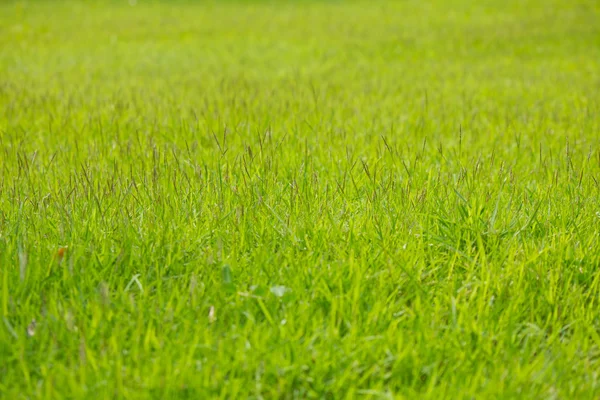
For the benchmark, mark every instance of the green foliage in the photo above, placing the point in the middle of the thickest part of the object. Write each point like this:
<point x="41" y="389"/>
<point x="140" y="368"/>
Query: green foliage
<point x="299" y="199"/>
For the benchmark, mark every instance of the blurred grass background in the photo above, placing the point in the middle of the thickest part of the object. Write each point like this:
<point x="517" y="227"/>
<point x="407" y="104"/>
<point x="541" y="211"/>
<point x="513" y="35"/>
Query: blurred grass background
<point x="378" y="199"/>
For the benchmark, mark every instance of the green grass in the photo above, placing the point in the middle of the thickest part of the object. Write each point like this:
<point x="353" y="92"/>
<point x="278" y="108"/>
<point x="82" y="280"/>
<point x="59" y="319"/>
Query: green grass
<point x="377" y="199"/>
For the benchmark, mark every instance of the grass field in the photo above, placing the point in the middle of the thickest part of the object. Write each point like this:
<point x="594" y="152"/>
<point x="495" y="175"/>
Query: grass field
<point x="300" y="199"/>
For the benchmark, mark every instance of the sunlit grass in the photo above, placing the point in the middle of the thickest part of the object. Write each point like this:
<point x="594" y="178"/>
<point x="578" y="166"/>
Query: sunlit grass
<point x="299" y="199"/>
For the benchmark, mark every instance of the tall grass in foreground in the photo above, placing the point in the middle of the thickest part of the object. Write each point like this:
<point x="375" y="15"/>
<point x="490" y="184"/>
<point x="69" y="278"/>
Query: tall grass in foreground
<point x="299" y="200"/>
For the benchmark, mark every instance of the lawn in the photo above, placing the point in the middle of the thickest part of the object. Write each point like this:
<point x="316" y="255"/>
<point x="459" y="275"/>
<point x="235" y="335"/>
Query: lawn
<point x="300" y="199"/>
